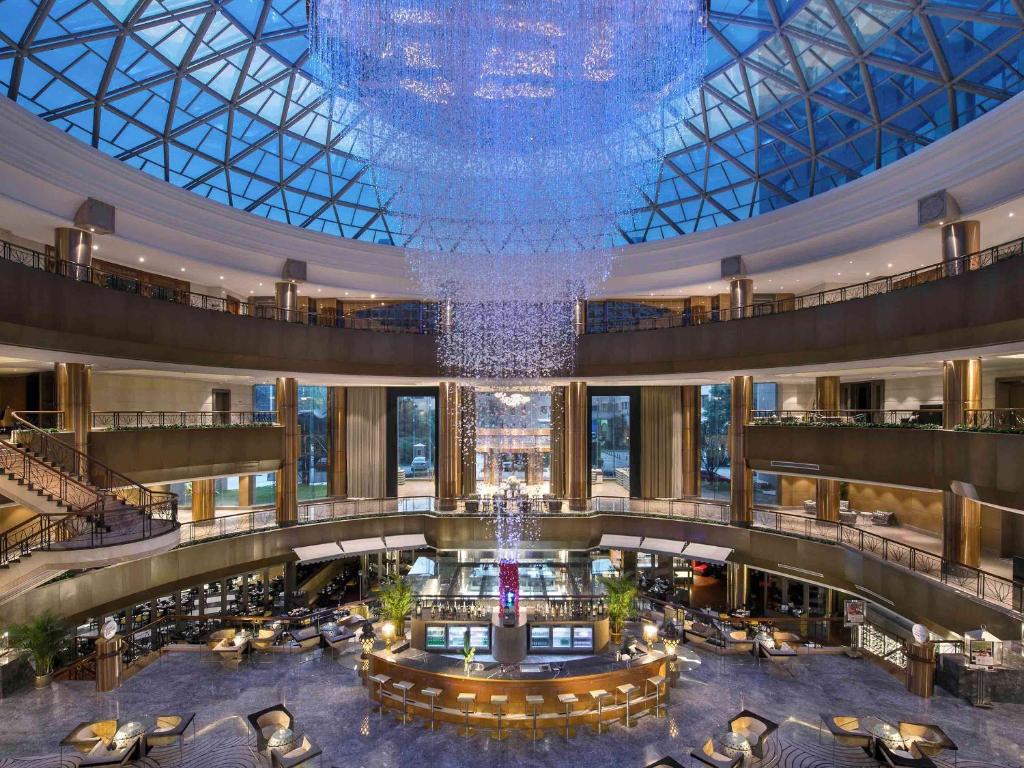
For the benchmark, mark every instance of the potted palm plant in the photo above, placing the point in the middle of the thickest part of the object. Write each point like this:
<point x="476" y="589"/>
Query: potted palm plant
<point x="43" y="638"/>
<point x="396" y="602"/>
<point x="621" y="592"/>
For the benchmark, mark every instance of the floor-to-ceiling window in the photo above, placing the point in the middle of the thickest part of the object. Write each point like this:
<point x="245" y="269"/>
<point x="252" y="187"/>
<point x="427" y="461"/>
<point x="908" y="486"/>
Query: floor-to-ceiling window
<point x="610" y="442"/>
<point x="313" y="442"/>
<point x="417" y="444"/>
<point x="513" y="438"/>
<point x="715" y="413"/>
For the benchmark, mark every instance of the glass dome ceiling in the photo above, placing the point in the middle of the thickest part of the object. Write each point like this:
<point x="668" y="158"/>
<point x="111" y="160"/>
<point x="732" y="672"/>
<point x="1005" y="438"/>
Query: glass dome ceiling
<point x="799" y="97"/>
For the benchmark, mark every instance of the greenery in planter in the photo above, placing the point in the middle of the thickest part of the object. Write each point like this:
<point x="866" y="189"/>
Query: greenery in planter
<point x="991" y="430"/>
<point x="621" y="591"/>
<point x="843" y="425"/>
<point x="43" y="637"/>
<point x="136" y="428"/>
<point x="396" y="602"/>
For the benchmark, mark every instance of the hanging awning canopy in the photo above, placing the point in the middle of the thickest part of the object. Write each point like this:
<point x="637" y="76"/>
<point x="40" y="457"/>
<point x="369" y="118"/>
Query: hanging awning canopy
<point x="614" y="541"/>
<point x="362" y="546"/>
<point x="405" y="541"/>
<point x="707" y="553"/>
<point x="318" y="552"/>
<point x="668" y="546"/>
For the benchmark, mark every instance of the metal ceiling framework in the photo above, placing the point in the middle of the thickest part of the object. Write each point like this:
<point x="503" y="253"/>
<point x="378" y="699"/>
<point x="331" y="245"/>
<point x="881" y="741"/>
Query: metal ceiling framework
<point x="800" y="96"/>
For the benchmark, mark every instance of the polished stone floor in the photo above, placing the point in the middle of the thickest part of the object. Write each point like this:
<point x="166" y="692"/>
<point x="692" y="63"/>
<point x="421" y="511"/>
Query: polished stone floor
<point x="325" y="696"/>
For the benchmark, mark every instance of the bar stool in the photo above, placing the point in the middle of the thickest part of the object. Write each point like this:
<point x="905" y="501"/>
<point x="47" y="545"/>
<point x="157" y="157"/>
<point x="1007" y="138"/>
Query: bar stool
<point x="657" y="681"/>
<point x="568" y="699"/>
<point x="498" y="701"/>
<point x="404" y="686"/>
<point x="599" y="696"/>
<point x="627" y="690"/>
<point x="432" y="694"/>
<point x="381" y="681"/>
<point x="466" y="702"/>
<point x="535" y="702"/>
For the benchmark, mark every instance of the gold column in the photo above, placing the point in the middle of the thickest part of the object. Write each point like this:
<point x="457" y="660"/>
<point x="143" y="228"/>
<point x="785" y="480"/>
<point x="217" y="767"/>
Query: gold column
<point x="961" y="516"/>
<point x="736" y="585"/>
<point x="921" y="669"/>
<point x="826" y="391"/>
<point x="960" y="239"/>
<point x="741" y="297"/>
<point x="73" y="247"/>
<point x="287" y="475"/>
<point x="741" y="482"/>
<point x="691" y="441"/>
<point x="467" y="437"/>
<point x="74" y="400"/>
<point x="246" y="490"/>
<point x="337" y="459"/>
<point x="577" y="435"/>
<point x="203" y="500"/>
<point x="108" y="663"/>
<point x="556" y="466"/>
<point x="449" y="455"/>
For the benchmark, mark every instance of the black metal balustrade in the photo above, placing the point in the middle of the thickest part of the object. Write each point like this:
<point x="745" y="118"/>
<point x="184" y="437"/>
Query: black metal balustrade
<point x="114" y="420"/>
<point x="986" y="586"/>
<point x="993" y="420"/>
<point x="920" y="419"/>
<point x="421" y="317"/>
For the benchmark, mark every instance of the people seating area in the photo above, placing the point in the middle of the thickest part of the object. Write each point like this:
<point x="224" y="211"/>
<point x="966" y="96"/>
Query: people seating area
<point x="904" y="744"/>
<point x="118" y="742"/>
<point x="755" y="729"/>
<point x="745" y="738"/>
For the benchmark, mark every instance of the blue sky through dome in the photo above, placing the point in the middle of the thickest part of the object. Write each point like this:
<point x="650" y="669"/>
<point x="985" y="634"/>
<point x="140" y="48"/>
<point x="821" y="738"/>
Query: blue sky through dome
<point x="800" y="96"/>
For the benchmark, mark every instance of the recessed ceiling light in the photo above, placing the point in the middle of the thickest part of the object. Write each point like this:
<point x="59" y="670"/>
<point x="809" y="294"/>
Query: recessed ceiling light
<point x="261" y="285"/>
<point x="346" y="293"/>
<point x="1011" y="214"/>
<point x="839" y="274"/>
<point x="868" y="274"/>
<point x="373" y="295"/>
<point x="889" y="265"/>
<point x="96" y="247"/>
<point x="851" y="261"/>
<point x="91" y="229"/>
<point x="221" y="277"/>
<point x="182" y="269"/>
<point x="942" y="222"/>
<point x="142" y="259"/>
<point x="318" y="290"/>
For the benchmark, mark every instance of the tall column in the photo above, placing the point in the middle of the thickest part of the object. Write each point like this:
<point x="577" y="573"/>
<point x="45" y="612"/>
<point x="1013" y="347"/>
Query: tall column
<point x="579" y="316"/>
<point x="287" y="495"/>
<point x="691" y="441"/>
<point x="741" y="481"/>
<point x="467" y="437"/>
<point x="577" y="435"/>
<point x="736" y="580"/>
<point x="959" y="239"/>
<point x="826" y="390"/>
<point x="556" y="465"/>
<point x="961" y="516"/>
<point x="203" y="500"/>
<point x="449" y="455"/>
<point x="741" y="297"/>
<point x="246" y="490"/>
<point x="74" y="247"/>
<point x="286" y="295"/>
<point x="109" y="672"/>
<point x="337" y="458"/>
<point x="74" y="401"/>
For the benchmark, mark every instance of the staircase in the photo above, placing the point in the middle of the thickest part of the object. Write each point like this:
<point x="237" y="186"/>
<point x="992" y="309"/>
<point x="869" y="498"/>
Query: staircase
<point x="88" y="515"/>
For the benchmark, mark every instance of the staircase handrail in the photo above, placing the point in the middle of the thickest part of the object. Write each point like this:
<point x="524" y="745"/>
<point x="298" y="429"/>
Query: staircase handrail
<point x="154" y="504"/>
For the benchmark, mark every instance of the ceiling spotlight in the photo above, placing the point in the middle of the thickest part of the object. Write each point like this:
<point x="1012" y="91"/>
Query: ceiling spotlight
<point x="851" y="261"/>
<point x="868" y="274"/>
<point x="96" y="247"/>
<point x="1011" y="214"/>
<point x="221" y="277"/>
<point x="373" y="295"/>
<point x="318" y="290"/>
<point x="142" y="259"/>
<point x="889" y="265"/>
<point x="261" y="285"/>
<point x="346" y="293"/>
<point x="182" y="269"/>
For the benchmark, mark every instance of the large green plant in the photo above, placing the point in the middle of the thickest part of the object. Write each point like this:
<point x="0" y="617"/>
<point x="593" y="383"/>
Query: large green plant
<point x="43" y="637"/>
<point x="396" y="602"/>
<point x="621" y="591"/>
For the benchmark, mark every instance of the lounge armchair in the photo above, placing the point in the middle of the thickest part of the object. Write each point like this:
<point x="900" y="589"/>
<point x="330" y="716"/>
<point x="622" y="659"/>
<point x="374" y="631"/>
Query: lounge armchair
<point x="266" y="638"/>
<point x="119" y="754"/>
<point x="305" y="751"/>
<point x="268" y="720"/>
<point x="928" y="739"/>
<point x="753" y="728"/>
<point x="168" y="729"/>
<point x="708" y="755"/>
<point x="895" y="757"/>
<point x="306" y="638"/>
<point x="87" y="735"/>
<point x="215" y="638"/>
<point x="846" y="730"/>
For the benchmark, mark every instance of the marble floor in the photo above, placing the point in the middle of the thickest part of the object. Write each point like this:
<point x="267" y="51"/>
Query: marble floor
<point x="329" y="704"/>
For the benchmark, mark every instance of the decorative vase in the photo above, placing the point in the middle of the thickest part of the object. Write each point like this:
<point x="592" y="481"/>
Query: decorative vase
<point x="43" y="680"/>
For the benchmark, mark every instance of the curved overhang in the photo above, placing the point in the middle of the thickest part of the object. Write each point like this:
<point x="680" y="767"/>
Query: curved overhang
<point x="48" y="174"/>
<point x="914" y="596"/>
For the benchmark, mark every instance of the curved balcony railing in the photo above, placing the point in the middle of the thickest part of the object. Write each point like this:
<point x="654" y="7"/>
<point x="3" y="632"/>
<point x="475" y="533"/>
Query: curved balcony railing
<point x="993" y="420"/>
<point x="874" y="287"/>
<point x="421" y="317"/>
<point x="984" y="585"/>
<point x="115" y="420"/>
<point x="919" y="419"/>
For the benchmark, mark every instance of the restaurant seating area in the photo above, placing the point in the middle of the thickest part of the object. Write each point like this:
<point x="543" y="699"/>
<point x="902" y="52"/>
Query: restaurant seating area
<point x="902" y="744"/>
<point x="115" y="742"/>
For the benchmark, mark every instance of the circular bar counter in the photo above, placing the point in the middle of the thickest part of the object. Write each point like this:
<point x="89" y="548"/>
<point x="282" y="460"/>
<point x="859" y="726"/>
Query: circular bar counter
<point x="564" y="689"/>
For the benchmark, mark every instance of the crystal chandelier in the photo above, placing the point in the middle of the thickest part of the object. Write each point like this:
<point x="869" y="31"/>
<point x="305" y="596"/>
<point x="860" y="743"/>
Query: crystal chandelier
<point x="506" y="138"/>
<point x="512" y="399"/>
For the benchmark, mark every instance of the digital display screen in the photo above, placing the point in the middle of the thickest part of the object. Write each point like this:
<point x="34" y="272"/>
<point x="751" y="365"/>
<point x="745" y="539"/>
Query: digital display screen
<point x="480" y="638"/>
<point x="540" y="637"/>
<point x="561" y="637"/>
<point x="456" y="637"/>
<point x="435" y="637"/>
<point x="583" y="637"/>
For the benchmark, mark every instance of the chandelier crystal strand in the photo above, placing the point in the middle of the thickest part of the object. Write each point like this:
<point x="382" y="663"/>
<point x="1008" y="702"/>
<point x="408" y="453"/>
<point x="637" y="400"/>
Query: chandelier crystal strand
<point x="514" y="133"/>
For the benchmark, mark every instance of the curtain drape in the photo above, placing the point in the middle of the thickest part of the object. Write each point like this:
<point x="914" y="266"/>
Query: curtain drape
<point x="661" y="442"/>
<point x="367" y="441"/>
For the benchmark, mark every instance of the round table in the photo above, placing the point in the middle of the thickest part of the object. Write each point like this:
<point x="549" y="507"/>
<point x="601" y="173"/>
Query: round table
<point x="733" y="744"/>
<point x="887" y="732"/>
